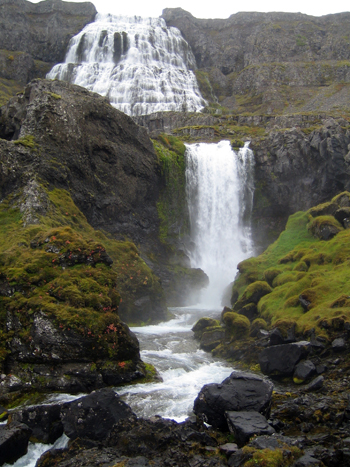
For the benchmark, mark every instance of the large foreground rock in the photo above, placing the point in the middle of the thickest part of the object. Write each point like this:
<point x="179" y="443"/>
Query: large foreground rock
<point x="241" y="391"/>
<point x="93" y="416"/>
<point x="280" y="360"/>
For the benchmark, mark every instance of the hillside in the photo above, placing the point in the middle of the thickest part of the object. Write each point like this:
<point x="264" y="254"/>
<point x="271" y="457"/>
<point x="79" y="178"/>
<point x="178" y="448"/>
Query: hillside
<point x="270" y="63"/>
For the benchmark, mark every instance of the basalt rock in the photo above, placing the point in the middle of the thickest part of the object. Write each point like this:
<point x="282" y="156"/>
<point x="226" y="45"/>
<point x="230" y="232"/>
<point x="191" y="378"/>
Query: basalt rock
<point x="93" y="416"/>
<point x="14" y="440"/>
<point x="282" y="359"/>
<point x="239" y="392"/>
<point x="244" y="425"/>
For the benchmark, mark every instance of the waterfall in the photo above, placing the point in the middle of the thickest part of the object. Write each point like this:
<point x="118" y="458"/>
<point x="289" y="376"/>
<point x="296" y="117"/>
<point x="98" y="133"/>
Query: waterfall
<point x="220" y="189"/>
<point x="140" y="64"/>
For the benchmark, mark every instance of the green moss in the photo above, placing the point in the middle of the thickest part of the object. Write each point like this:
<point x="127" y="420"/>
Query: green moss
<point x="300" y="264"/>
<point x="59" y="267"/>
<point x="27" y="141"/>
<point x="55" y="96"/>
<point x="238" y="326"/>
<point x="172" y="204"/>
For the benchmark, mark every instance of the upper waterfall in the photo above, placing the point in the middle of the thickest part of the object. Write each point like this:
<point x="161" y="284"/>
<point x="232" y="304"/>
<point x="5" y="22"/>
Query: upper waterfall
<point x="140" y="64"/>
<point x="220" y="189"/>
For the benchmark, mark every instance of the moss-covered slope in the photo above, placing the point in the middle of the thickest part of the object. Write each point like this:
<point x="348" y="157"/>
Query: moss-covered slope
<point x="62" y="285"/>
<point x="307" y="269"/>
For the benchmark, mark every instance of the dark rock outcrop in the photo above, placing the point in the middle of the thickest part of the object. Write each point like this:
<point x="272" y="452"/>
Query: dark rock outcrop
<point x="239" y="392"/>
<point x="93" y="416"/>
<point x="43" y="420"/>
<point x="52" y="23"/>
<point x="14" y="440"/>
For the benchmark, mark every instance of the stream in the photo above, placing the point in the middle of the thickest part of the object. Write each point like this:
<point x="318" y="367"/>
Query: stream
<point x="183" y="367"/>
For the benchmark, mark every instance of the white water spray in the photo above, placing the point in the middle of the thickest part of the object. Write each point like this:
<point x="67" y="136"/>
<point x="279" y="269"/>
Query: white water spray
<point x="220" y="195"/>
<point x="140" y="64"/>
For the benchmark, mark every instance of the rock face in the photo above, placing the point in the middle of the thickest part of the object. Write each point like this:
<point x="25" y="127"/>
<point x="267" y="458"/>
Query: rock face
<point x="258" y="55"/>
<point x="239" y="392"/>
<point x="87" y="147"/>
<point x="34" y="36"/>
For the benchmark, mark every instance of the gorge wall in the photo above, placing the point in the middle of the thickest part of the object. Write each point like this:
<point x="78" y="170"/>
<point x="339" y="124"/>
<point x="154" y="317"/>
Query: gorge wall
<point x="270" y="62"/>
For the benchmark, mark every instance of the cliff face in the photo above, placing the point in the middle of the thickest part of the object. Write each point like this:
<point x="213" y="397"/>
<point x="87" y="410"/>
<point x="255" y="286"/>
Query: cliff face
<point x="270" y="62"/>
<point x="85" y="146"/>
<point x="34" y="36"/>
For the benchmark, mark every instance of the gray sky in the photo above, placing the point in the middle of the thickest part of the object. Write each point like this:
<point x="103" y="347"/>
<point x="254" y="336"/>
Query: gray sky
<point x="221" y="9"/>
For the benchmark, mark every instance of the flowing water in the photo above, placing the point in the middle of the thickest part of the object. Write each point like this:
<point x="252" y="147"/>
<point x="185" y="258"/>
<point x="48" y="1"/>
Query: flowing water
<point x="140" y="64"/>
<point x="184" y="368"/>
<point x="220" y="188"/>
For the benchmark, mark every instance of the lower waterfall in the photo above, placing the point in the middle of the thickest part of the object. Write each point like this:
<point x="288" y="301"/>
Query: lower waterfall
<point x="220" y="191"/>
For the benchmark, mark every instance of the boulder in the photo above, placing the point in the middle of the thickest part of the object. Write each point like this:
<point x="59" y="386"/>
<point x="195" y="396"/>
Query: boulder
<point x="14" y="440"/>
<point x="212" y="338"/>
<point x="43" y="420"/>
<point x="303" y="371"/>
<point x="315" y="384"/>
<point x="94" y="415"/>
<point x="339" y="344"/>
<point x="280" y="360"/>
<point x="241" y="391"/>
<point x="276" y="337"/>
<point x="244" y="425"/>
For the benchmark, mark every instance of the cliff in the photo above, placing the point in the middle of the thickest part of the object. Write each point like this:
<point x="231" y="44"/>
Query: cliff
<point x="35" y="36"/>
<point x="270" y="62"/>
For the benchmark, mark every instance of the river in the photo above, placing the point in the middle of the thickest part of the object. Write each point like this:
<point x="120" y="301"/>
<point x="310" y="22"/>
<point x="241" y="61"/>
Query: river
<point x="183" y="367"/>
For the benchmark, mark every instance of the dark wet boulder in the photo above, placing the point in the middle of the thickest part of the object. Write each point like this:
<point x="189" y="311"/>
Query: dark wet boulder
<point x="241" y="391"/>
<point x="93" y="416"/>
<point x="43" y="420"/>
<point x="280" y="360"/>
<point x="303" y="371"/>
<point x="244" y="425"/>
<point x="14" y="438"/>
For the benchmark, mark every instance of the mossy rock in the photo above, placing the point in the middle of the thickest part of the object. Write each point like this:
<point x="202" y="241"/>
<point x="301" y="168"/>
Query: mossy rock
<point x="325" y="227"/>
<point x="252" y="294"/>
<point x="271" y="273"/>
<point x="201" y="325"/>
<point x="325" y="209"/>
<point x="211" y="338"/>
<point x="285" y="326"/>
<point x="301" y="266"/>
<point x="237" y="326"/>
<point x="250" y="311"/>
<point x="256" y="326"/>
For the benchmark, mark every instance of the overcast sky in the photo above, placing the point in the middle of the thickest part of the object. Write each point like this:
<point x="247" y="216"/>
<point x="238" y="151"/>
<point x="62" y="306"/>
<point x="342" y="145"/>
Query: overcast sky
<point x="221" y="9"/>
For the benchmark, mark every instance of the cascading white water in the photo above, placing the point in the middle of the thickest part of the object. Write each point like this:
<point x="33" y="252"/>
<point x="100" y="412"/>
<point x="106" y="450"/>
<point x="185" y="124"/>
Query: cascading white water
<point x="140" y="64"/>
<point x="220" y="194"/>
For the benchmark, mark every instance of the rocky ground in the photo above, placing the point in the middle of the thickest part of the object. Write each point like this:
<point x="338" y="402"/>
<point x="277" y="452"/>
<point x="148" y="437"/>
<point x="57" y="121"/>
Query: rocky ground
<point x="254" y="420"/>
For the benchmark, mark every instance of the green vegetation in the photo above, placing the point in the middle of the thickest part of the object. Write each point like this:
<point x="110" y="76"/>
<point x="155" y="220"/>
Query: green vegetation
<point x="61" y="268"/>
<point x="27" y="141"/>
<point x="282" y="457"/>
<point x="238" y="326"/>
<point x="55" y="96"/>
<point x="172" y="205"/>
<point x="297" y="265"/>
